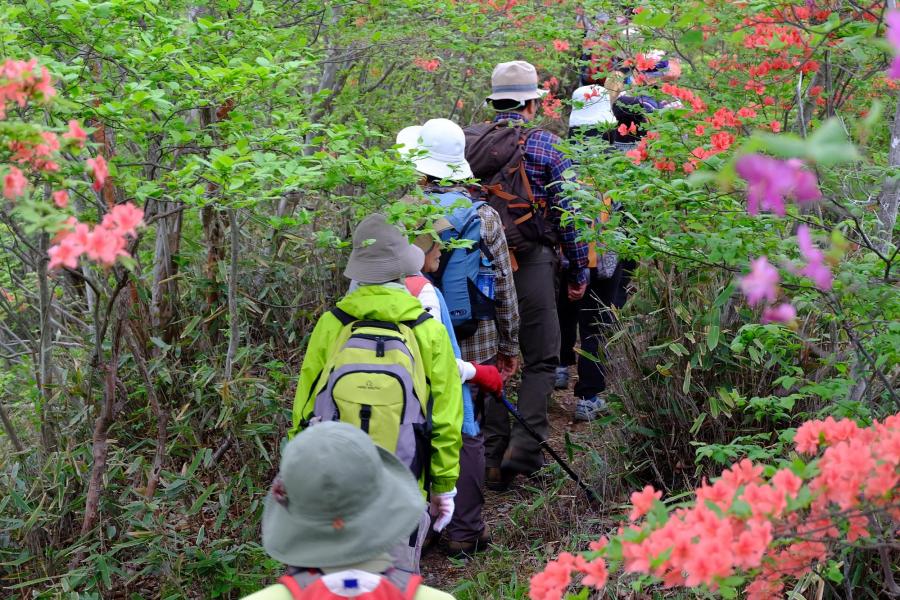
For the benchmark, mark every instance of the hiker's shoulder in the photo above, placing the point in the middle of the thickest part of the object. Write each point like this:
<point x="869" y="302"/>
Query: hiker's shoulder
<point x="279" y="592"/>
<point x="426" y="593"/>
<point x="543" y="136"/>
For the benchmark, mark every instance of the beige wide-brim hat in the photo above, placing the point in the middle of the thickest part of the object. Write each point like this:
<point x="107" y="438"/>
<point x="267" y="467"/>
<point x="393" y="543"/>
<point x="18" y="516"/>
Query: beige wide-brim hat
<point x="437" y="148"/>
<point x="338" y="500"/>
<point x="381" y="253"/>
<point x="516" y="80"/>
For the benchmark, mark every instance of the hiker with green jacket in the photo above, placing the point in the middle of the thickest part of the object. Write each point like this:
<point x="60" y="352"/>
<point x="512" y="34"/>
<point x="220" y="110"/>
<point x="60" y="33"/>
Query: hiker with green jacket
<point x="380" y="362"/>
<point x="337" y="507"/>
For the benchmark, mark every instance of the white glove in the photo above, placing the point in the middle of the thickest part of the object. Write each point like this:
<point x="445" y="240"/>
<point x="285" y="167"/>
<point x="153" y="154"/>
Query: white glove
<point x="442" y="507"/>
<point x="466" y="370"/>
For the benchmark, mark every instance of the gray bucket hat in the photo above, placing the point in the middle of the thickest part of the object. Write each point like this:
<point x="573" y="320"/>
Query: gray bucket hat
<point x="338" y="500"/>
<point x="516" y="80"/>
<point x="381" y="253"/>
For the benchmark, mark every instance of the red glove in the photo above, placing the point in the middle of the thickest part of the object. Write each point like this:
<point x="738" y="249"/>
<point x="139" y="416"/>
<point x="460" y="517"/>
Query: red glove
<point x="487" y="377"/>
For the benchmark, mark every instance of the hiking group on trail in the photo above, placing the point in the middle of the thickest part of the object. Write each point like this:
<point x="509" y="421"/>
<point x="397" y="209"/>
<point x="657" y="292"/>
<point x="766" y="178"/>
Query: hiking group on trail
<point x="400" y="418"/>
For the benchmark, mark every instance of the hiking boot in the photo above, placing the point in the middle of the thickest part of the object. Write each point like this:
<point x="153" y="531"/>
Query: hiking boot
<point x="520" y="463"/>
<point x="463" y="549"/>
<point x="589" y="409"/>
<point x="562" y="378"/>
<point x="498" y="480"/>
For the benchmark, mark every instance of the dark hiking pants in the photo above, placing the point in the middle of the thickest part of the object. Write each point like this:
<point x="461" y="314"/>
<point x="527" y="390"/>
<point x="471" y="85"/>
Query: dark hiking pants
<point x="535" y="281"/>
<point x="590" y="318"/>
<point x="468" y="523"/>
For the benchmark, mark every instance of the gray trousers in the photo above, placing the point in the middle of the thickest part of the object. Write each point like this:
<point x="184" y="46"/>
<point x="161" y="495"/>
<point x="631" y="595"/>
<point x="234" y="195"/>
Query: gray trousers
<point x="539" y="340"/>
<point x="407" y="554"/>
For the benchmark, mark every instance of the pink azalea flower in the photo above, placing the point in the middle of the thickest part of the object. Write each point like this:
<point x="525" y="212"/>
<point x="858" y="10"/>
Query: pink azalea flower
<point x="808" y="437"/>
<point x="81" y="235"/>
<point x="124" y="219"/>
<point x="61" y="198"/>
<point x="787" y="483"/>
<point x="815" y="267"/>
<point x="14" y="184"/>
<point x="708" y="562"/>
<point x="65" y="254"/>
<point x="643" y="501"/>
<point x="560" y="45"/>
<point x="761" y="283"/>
<point x="893" y="28"/>
<point x="105" y="246"/>
<point x="596" y="573"/>
<point x="770" y="181"/>
<point x="783" y="313"/>
<point x="893" y="37"/>
<point x="51" y="144"/>
<point x="100" y="170"/>
<point x="75" y="133"/>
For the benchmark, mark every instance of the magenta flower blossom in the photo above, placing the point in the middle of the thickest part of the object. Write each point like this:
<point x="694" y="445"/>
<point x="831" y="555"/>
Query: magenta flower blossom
<point x="815" y="267"/>
<point x="893" y="37"/>
<point x="761" y="283"/>
<point x="770" y="181"/>
<point x="783" y="313"/>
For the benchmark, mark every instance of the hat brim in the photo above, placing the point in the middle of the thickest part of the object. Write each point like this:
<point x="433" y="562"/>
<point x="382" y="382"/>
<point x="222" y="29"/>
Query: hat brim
<point x="408" y="139"/>
<point x="442" y="170"/>
<point x="389" y="517"/>
<point x="520" y="96"/>
<point x="408" y="263"/>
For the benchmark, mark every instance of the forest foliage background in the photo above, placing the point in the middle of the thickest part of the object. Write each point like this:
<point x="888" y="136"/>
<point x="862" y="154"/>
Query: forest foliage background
<point x="144" y="403"/>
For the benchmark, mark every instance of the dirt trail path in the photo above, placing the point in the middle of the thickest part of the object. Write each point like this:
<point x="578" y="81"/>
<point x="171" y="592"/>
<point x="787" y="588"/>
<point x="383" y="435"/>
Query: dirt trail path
<point x="440" y="571"/>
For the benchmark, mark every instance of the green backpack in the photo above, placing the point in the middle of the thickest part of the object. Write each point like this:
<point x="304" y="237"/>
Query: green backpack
<point x="374" y="379"/>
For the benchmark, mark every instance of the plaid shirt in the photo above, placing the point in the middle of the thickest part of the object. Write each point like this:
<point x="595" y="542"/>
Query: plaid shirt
<point x="500" y="336"/>
<point x="545" y="166"/>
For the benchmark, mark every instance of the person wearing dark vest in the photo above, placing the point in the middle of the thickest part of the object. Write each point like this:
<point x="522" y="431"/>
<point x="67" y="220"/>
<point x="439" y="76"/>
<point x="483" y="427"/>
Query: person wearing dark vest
<point x="335" y="510"/>
<point x="515" y="98"/>
<point x="590" y="317"/>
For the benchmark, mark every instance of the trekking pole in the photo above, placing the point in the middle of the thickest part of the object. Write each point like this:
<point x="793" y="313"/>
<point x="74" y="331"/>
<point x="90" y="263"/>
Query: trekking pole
<point x="592" y="495"/>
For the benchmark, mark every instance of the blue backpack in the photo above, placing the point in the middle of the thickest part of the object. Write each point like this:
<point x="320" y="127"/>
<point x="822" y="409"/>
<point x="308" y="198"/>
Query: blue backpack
<point x="458" y="272"/>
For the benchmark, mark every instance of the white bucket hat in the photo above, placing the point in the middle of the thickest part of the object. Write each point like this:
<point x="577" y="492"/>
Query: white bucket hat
<point x="438" y="148"/>
<point x="591" y="106"/>
<point x="516" y="80"/>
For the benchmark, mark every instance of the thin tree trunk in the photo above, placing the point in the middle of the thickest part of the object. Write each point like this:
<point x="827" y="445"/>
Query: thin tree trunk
<point x="45" y="367"/>
<point x="234" y="335"/>
<point x="159" y="410"/>
<point x="100" y="441"/>
<point x="890" y="193"/>
<point x="10" y="430"/>
<point x="164" y="294"/>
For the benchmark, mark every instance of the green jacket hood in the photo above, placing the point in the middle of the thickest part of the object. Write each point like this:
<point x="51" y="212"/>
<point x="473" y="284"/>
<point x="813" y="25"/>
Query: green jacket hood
<point x="381" y="303"/>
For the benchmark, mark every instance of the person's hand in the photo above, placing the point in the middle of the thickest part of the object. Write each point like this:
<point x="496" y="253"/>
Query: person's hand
<point x="507" y="365"/>
<point x="442" y="507"/>
<point x="576" y="291"/>
<point x="488" y="378"/>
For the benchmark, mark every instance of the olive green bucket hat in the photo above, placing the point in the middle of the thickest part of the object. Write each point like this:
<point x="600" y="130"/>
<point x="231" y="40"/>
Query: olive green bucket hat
<point x="338" y="500"/>
<point x="381" y="253"/>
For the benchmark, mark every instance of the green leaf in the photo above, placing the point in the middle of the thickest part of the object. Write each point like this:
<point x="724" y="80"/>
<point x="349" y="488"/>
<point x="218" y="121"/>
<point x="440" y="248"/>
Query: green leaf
<point x="201" y="499"/>
<point x="829" y="145"/>
<point x="693" y="37"/>
<point x="712" y="337"/>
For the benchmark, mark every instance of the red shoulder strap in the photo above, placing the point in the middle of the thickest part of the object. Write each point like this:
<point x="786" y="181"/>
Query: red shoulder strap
<point x="291" y="584"/>
<point x="415" y="284"/>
